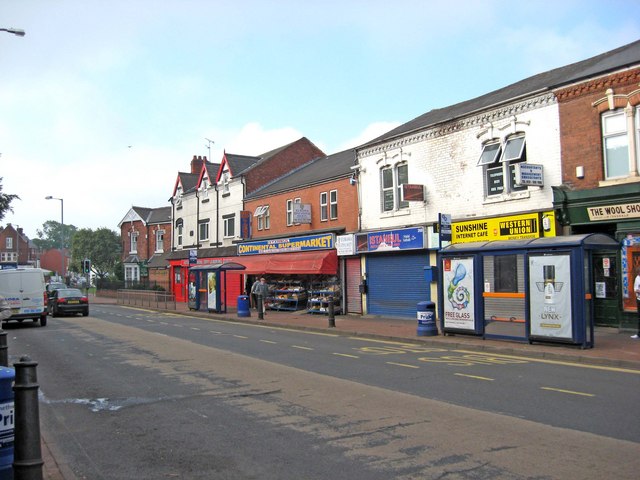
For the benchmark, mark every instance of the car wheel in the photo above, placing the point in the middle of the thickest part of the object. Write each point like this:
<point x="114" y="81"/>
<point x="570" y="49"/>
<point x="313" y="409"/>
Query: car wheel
<point x="43" y="321"/>
<point x="85" y="313"/>
<point x="54" y="311"/>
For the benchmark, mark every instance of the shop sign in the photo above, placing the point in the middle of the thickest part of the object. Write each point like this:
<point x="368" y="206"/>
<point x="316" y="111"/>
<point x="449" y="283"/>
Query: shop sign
<point x="245" y="224"/>
<point x="388" y="240"/>
<point x="193" y="256"/>
<point x="612" y="212"/>
<point x="517" y="227"/>
<point x="529" y="174"/>
<point x="345" y="245"/>
<point x="412" y="192"/>
<point x="302" y="213"/>
<point x="291" y="244"/>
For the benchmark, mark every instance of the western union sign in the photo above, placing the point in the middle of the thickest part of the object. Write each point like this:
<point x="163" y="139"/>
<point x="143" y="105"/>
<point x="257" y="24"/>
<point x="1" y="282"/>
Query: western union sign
<point x="517" y="227"/>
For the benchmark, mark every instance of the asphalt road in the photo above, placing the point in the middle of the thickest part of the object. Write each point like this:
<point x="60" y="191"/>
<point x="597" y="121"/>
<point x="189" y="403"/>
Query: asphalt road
<point x="129" y="393"/>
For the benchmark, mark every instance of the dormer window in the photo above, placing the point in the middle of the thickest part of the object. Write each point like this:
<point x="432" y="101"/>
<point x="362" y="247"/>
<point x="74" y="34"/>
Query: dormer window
<point x="225" y="182"/>
<point x="204" y="188"/>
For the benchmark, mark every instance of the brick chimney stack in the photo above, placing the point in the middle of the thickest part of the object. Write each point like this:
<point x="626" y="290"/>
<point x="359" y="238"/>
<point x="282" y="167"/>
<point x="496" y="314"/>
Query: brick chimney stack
<point x="196" y="163"/>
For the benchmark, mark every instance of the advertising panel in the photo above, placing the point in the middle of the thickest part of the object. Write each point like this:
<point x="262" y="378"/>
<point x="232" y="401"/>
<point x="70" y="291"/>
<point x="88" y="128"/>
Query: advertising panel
<point x="515" y="227"/>
<point x="212" y="293"/>
<point x="458" y="284"/>
<point x="550" y="296"/>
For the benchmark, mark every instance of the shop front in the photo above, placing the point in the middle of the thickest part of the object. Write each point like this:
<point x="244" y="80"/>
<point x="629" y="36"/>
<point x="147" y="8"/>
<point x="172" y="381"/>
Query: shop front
<point x="209" y="287"/>
<point x="393" y="280"/>
<point x="613" y="210"/>
<point x="543" y="289"/>
<point x="302" y="272"/>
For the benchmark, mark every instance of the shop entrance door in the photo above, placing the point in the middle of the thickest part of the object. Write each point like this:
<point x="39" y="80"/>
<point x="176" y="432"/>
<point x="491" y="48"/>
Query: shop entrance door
<point x="605" y="289"/>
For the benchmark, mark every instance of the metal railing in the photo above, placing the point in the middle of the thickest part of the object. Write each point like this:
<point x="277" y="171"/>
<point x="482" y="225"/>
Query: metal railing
<point x="146" y="298"/>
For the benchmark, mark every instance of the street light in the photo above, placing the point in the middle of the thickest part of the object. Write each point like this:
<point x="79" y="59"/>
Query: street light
<point x="16" y="31"/>
<point x="49" y="197"/>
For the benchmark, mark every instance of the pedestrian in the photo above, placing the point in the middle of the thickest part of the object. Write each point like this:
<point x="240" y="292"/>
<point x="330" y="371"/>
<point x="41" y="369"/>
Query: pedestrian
<point x="5" y="309"/>
<point x="261" y="292"/>
<point x="254" y="299"/>
<point x="636" y="289"/>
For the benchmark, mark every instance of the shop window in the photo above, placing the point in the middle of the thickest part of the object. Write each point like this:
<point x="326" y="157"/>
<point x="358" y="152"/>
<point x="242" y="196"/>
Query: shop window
<point x="229" y="222"/>
<point x="498" y="161"/>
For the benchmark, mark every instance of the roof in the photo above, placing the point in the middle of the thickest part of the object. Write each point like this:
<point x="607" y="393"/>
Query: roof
<point x="589" y="241"/>
<point x="154" y="215"/>
<point x="189" y="181"/>
<point x="317" y="171"/>
<point x="607" y="62"/>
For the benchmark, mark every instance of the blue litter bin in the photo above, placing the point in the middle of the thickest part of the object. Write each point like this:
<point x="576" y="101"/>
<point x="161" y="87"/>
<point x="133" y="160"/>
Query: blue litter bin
<point x="244" y="306"/>
<point x="426" y="315"/>
<point x="7" y="422"/>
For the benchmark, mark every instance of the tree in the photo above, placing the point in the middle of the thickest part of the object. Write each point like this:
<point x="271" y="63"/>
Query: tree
<point x="5" y="201"/>
<point x="101" y="246"/>
<point x="49" y="236"/>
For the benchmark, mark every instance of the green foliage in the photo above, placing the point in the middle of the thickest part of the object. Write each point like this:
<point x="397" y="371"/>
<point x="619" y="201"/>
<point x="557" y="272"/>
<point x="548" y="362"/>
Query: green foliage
<point x="49" y="236"/>
<point x="101" y="246"/>
<point x="5" y="201"/>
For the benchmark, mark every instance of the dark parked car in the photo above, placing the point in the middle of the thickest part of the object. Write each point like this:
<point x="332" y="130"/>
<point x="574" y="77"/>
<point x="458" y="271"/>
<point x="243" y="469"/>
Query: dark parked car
<point x="65" y="301"/>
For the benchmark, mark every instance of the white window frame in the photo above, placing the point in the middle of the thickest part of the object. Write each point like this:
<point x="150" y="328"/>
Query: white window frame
<point x="204" y="188"/>
<point x="324" y="206"/>
<point x="160" y="241"/>
<point x="8" y="243"/>
<point x="289" y="212"/>
<point x="498" y="160"/>
<point x="333" y="204"/>
<point x="229" y="225"/>
<point x="262" y="217"/>
<point x="180" y="232"/>
<point x="225" y="182"/>
<point x="400" y="203"/>
<point x="391" y="187"/>
<point x="133" y="242"/>
<point x="203" y="231"/>
<point x="621" y="135"/>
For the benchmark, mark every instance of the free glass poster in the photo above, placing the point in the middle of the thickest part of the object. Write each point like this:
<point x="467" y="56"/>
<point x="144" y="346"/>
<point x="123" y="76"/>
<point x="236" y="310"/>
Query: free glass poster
<point x="458" y="293"/>
<point x="212" y="291"/>
<point x="550" y="295"/>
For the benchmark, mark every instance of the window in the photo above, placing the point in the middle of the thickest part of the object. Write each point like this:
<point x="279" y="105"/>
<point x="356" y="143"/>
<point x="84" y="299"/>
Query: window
<point x="159" y="241"/>
<point x="324" y="207"/>
<point x="134" y="243"/>
<point x="204" y="189"/>
<point x="392" y="179"/>
<point x="333" y="200"/>
<point x="179" y="231"/>
<point x="229" y="225"/>
<point x="9" y="243"/>
<point x="225" y="182"/>
<point x="262" y="217"/>
<point x="289" y="212"/>
<point x="203" y="231"/>
<point x="616" y="145"/>
<point x="178" y="197"/>
<point x="506" y="273"/>
<point x="498" y="161"/>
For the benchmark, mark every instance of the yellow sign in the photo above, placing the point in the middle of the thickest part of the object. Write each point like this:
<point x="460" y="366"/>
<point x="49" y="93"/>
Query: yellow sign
<point x="517" y="227"/>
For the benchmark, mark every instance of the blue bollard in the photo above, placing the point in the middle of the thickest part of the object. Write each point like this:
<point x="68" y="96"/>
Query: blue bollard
<point x="7" y="422"/>
<point x="427" y="319"/>
<point x="243" y="306"/>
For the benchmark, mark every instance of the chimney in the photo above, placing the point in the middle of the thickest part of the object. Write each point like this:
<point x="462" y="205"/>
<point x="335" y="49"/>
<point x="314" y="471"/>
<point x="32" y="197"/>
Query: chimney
<point x="196" y="164"/>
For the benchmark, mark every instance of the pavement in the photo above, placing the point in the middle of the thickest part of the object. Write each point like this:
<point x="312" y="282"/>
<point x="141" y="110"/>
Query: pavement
<point x="613" y="348"/>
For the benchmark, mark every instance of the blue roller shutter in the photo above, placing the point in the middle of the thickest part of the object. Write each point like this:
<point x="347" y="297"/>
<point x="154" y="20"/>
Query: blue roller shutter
<point x="396" y="283"/>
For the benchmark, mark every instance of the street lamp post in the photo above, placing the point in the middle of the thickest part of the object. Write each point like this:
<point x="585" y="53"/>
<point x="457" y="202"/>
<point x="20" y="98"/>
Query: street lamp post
<point x="49" y="197"/>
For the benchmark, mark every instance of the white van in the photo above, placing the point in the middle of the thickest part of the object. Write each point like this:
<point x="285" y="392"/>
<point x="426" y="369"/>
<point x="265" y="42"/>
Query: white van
<point x="24" y="290"/>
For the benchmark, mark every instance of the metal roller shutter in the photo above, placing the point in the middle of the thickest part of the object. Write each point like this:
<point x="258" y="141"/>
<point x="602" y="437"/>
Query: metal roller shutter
<point x="397" y="284"/>
<point x="353" y="277"/>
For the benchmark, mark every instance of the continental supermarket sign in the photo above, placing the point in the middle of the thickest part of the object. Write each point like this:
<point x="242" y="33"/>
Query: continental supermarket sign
<point x="293" y="244"/>
<point x="517" y="227"/>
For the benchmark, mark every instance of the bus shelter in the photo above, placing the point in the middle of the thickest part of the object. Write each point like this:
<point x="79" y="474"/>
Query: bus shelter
<point x="208" y="286"/>
<point x="532" y="290"/>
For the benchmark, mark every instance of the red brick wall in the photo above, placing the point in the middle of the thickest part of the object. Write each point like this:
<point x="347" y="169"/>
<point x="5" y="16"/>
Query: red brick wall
<point x="580" y="125"/>
<point x="296" y="154"/>
<point x="347" y="210"/>
<point x="146" y="238"/>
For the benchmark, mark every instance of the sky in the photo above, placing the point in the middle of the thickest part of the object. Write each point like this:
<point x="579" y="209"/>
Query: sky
<point x="102" y="103"/>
